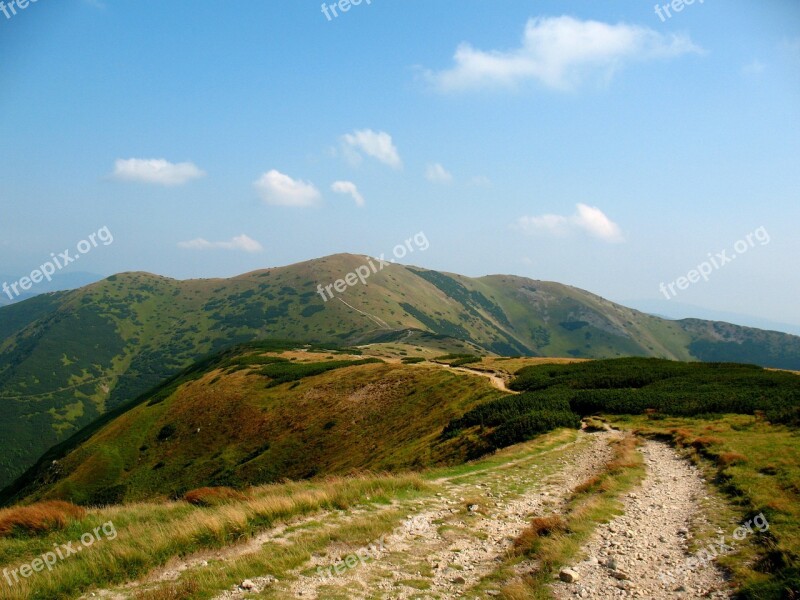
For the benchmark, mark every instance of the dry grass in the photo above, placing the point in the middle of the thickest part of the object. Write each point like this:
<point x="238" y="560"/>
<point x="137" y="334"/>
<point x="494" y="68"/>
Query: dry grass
<point x="540" y="527"/>
<point x="705" y="441"/>
<point x="151" y="534"/>
<point x="213" y="496"/>
<point x="726" y="459"/>
<point x="38" y="518"/>
<point x="590" y="484"/>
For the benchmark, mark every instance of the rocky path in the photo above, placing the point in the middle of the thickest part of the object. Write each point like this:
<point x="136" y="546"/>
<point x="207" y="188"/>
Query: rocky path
<point x="461" y="537"/>
<point x="452" y="540"/>
<point x="643" y="553"/>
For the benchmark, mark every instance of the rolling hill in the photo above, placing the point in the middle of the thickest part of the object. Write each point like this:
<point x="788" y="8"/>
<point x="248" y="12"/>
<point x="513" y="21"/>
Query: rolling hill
<point x="260" y="413"/>
<point x="67" y="358"/>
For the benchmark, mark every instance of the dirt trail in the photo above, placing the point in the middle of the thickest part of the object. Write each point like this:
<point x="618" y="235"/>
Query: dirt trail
<point x="454" y="542"/>
<point x="643" y="552"/>
<point x="497" y="381"/>
<point x="454" y="539"/>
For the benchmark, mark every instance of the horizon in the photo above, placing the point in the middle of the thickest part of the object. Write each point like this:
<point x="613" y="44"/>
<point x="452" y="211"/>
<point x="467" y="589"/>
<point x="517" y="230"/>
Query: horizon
<point x="646" y="306"/>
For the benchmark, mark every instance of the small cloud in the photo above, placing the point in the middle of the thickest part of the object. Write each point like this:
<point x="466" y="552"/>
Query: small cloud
<point x="436" y="173"/>
<point x="239" y="242"/>
<point x="377" y="144"/>
<point x="156" y="170"/>
<point x="589" y="219"/>
<point x="753" y="68"/>
<point x="594" y="221"/>
<point x="278" y="189"/>
<point x="559" y="53"/>
<point x="348" y="187"/>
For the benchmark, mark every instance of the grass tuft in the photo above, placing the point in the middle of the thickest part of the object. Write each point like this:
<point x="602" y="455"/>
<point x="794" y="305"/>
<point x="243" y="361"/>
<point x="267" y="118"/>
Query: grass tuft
<point x="39" y="518"/>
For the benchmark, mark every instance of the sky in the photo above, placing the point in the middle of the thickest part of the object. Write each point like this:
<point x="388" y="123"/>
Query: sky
<point x="597" y="144"/>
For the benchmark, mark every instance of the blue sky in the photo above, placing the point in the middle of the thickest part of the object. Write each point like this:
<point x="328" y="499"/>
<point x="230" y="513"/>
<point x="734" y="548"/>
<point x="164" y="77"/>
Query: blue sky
<point x="590" y="143"/>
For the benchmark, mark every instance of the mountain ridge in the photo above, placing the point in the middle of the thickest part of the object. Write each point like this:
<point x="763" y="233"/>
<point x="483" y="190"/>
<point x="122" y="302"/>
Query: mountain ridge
<point x="66" y="358"/>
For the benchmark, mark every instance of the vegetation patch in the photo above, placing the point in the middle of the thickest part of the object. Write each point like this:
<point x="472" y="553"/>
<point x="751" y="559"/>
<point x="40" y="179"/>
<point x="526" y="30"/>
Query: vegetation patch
<point x="286" y="372"/>
<point x="35" y="519"/>
<point x="662" y="387"/>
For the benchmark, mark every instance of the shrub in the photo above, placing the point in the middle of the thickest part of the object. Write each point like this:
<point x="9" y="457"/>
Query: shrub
<point x="166" y="432"/>
<point x="42" y="517"/>
<point x="410" y="360"/>
<point x="667" y="388"/>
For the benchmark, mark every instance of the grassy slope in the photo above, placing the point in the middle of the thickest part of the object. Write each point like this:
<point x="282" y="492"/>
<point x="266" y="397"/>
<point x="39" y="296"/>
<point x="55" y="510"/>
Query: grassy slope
<point x="227" y="427"/>
<point x="150" y="534"/>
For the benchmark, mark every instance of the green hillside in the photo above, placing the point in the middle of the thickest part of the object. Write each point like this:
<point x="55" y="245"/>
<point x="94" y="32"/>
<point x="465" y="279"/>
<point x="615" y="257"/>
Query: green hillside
<point x="259" y="414"/>
<point x="67" y="358"/>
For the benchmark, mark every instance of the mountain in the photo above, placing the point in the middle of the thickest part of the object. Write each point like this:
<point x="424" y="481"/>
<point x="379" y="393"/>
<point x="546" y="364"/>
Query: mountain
<point x="59" y="282"/>
<point x="674" y="310"/>
<point x="67" y="358"/>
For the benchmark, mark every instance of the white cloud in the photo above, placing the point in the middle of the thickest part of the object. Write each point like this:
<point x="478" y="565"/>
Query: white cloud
<point x="348" y="187"/>
<point x="377" y="144"/>
<point x="239" y="242"/>
<point x="754" y="68"/>
<point x="156" y="170"/>
<point x="559" y="52"/>
<point x="589" y="219"/>
<point x="436" y="173"/>
<point x="281" y="190"/>
<point x="593" y="220"/>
